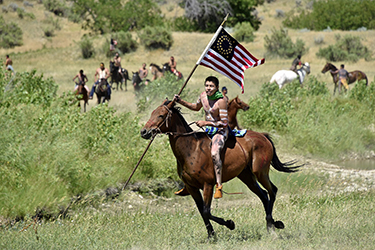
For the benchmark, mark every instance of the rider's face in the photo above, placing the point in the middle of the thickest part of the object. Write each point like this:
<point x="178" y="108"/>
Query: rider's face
<point x="210" y="88"/>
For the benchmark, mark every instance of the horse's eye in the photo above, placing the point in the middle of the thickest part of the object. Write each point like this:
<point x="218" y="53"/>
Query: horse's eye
<point x="161" y="116"/>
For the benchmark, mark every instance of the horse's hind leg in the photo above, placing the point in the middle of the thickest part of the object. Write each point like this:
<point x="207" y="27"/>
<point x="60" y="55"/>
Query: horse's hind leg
<point x="249" y="179"/>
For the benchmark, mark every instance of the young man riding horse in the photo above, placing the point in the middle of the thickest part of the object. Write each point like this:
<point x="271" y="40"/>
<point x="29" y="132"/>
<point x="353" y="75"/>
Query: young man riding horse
<point x="82" y="79"/>
<point x="101" y="74"/>
<point x="117" y="61"/>
<point x="216" y="123"/>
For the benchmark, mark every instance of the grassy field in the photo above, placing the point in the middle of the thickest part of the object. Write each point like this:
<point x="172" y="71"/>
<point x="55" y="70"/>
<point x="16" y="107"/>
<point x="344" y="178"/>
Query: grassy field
<point x="319" y="210"/>
<point x="323" y="206"/>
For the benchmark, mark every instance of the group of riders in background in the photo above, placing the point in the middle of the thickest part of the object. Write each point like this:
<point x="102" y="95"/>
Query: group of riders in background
<point x="102" y="75"/>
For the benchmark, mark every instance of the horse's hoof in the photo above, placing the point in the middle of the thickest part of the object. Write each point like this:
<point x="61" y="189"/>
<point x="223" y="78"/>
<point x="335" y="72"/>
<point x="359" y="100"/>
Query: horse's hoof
<point x="230" y="224"/>
<point x="279" y="224"/>
<point x="211" y="234"/>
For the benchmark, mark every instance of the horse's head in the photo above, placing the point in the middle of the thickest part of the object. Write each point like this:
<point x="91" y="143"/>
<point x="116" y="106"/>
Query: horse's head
<point x="328" y="66"/>
<point x="166" y="67"/>
<point x="306" y="66"/>
<point x="160" y="120"/>
<point x="237" y="103"/>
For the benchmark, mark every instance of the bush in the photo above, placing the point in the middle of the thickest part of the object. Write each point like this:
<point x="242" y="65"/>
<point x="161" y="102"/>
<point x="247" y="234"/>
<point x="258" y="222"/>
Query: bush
<point x="27" y="88"/>
<point x="10" y="34"/>
<point x="156" y="37"/>
<point x="156" y="91"/>
<point x="56" y="6"/>
<point x="125" y="43"/>
<point x="244" y="32"/>
<point x="348" y="48"/>
<point x="87" y="47"/>
<point x="280" y="44"/>
<point x="184" y="24"/>
<point x="337" y="14"/>
<point x="49" y="31"/>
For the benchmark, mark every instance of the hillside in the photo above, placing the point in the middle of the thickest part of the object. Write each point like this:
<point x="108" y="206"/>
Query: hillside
<point x="60" y="57"/>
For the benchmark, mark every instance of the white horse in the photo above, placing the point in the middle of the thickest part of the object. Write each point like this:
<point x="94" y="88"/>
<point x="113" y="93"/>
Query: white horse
<point x="283" y="77"/>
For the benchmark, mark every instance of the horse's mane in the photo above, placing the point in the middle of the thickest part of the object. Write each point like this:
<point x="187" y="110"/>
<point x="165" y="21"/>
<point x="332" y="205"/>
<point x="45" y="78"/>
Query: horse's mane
<point x="177" y="111"/>
<point x="332" y="66"/>
<point x="156" y="66"/>
<point x="231" y="101"/>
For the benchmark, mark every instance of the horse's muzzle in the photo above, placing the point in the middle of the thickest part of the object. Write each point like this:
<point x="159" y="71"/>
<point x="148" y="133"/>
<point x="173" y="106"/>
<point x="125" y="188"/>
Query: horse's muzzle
<point x="146" y="134"/>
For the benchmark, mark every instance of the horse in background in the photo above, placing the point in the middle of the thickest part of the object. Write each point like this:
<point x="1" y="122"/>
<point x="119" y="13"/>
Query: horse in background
<point x="283" y="77"/>
<point x="156" y="71"/>
<point x="101" y="91"/>
<point x="354" y="76"/>
<point x="247" y="158"/>
<point x="167" y="68"/>
<point x="136" y="80"/>
<point x="82" y="95"/>
<point x="116" y="76"/>
<point x="233" y="106"/>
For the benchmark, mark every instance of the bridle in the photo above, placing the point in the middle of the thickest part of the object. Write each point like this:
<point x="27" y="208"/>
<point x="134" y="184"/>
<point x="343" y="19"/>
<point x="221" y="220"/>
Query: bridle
<point x="166" y="120"/>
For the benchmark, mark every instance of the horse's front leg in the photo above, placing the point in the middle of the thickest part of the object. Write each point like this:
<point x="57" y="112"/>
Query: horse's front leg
<point x="207" y="197"/>
<point x="202" y="208"/>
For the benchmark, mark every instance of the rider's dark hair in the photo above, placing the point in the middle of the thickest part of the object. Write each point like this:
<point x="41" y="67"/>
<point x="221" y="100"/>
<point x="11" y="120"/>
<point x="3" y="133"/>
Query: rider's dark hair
<point x="212" y="79"/>
<point x="342" y="66"/>
<point x="81" y="71"/>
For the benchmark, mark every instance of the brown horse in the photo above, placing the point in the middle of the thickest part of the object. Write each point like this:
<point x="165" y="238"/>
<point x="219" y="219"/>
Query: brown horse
<point x="156" y="71"/>
<point x="247" y="158"/>
<point x="82" y="95"/>
<point x="354" y="76"/>
<point x="233" y="106"/>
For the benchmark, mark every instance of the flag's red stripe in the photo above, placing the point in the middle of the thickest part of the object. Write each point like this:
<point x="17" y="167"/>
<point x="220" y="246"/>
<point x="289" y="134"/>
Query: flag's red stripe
<point x="236" y="78"/>
<point x="217" y="60"/>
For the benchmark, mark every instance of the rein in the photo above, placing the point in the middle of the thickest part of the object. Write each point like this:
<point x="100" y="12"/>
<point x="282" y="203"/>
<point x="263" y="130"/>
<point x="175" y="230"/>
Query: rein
<point x="166" y="124"/>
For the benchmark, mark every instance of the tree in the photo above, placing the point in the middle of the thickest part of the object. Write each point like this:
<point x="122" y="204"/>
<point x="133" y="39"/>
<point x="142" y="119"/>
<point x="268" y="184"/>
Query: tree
<point x="207" y="14"/>
<point x="105" y="16"/>
<point x="244" y="11"/>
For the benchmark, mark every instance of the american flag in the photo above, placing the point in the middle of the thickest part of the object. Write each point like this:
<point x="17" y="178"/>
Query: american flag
<point x="228" y="57"/>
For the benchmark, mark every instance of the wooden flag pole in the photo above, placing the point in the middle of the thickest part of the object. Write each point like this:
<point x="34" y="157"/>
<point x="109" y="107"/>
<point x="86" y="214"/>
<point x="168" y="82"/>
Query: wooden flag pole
<point x="179" y="93"/>
<point x="204" y="52"/>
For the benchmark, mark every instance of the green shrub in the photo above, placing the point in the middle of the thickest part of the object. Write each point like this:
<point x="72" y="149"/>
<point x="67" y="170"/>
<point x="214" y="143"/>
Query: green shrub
<point x="244" y="32"/>
<point x="156" y="37"/>
<point x="280" y="44"/>
<point x="363" y="93"/>
<point x="337" y="14"/>
<point x="156" y="91"/>
<point x="49" y="31"/>
<point x="309" y="120"/>
<point x="87" y="47"/>
<point x="10" y="34"/>
<point x="125" y="44"/>
<point x="184" y="24"/>
<point x="347" y="48"/>
<point x="59" y="8"/>
<point x="27" y="88"/>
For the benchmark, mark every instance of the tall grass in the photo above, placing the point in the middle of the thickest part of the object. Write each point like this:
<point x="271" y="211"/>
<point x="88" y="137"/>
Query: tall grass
<point x="311" y="122"/>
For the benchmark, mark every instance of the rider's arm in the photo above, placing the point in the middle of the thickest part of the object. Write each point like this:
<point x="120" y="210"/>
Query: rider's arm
<point x="96" y="74"/>
<point x="223" y="113"/>
<point x="75" y="77"/>
<point x="107" y="74"/>
<point x="193" y="106"/>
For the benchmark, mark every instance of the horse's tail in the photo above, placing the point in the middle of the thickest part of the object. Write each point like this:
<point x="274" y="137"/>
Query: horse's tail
<point x="277" y="164"/>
